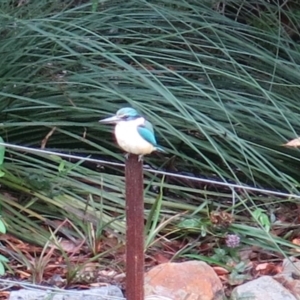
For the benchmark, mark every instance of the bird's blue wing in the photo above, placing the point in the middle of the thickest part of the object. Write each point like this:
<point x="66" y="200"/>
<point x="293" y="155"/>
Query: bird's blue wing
<point x="147" y="133"/>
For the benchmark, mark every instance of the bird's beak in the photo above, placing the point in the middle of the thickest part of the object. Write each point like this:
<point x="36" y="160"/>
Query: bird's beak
<point x="110" y="120"/>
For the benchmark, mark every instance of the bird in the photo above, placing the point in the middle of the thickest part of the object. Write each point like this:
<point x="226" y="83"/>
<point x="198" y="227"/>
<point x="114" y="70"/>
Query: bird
<point x="134" y="134"/>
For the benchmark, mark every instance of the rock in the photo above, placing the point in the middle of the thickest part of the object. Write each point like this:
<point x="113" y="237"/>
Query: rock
<point x="101" y="293"/>
<point x="192" y="280"/>
<point x="262" y="288"/>
<point x="290" y="275"/>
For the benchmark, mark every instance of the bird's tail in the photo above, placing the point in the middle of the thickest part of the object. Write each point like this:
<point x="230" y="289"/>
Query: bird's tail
<point x="160" y="149"/>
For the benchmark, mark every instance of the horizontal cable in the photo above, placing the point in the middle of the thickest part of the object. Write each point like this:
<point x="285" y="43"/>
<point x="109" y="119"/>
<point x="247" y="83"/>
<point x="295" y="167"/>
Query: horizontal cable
<point x="151" y="170"/>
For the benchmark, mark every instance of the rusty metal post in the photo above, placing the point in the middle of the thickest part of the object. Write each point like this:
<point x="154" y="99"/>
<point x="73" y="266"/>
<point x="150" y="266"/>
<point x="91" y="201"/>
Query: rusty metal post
<point x="134" y="228"/>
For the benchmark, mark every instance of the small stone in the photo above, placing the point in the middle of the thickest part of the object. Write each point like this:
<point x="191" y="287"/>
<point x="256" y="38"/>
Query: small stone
<point x="262" y="288"/>
<point x="192" y="280"/>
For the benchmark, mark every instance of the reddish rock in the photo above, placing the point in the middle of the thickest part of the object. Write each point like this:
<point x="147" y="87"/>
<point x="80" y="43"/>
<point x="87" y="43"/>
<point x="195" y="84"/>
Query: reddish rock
<point x="192" y="280"/>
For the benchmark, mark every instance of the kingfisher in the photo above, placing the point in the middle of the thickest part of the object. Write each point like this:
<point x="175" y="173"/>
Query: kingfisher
<point x="133" y="133"/>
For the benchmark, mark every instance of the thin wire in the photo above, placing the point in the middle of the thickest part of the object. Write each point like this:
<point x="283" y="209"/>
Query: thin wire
<point x="151" y="170"/>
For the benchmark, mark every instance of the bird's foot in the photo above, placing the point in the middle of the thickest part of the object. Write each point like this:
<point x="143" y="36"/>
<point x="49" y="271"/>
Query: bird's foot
<point x="141" y="157"/>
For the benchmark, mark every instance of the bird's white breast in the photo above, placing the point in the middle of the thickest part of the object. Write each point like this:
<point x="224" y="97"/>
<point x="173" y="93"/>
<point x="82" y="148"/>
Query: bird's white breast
<point x="130" y="140"/>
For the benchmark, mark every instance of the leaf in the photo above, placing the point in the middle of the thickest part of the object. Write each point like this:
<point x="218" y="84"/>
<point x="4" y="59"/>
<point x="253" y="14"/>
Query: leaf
<point x="263" y="218"/>
<point x="220" y="270"/>
<point x="2" y="151"/>
<point x="296" y="241"/>
<point x="2" y="227"/>
<point x="2" y="269"/>
<point x="189" y="223"/>
<point x="61" y="166"/>
<point x="293" y="143"/>
<point x="94" y="5"/>
<point x="268" y="269"/>
<point x="67" y="246"/>
<point x="3" y="259"/>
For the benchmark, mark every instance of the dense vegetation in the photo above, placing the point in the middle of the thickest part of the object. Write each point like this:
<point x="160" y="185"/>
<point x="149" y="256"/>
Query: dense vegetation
<point x="220" y="84"/>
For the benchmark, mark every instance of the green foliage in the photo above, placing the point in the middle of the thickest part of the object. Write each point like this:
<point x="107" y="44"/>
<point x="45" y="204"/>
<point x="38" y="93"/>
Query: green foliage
<point x="3" y="261"/>
<point x="237" y="275"/>
<point x="2" y="155"/>
<point x="220" y="255"/>
<point x="2" y="227"/>
<point x="152" y="228"/>
<point x="262" y="218"/>
<point x="2" y="151"/>
<point x="222" y="105"/>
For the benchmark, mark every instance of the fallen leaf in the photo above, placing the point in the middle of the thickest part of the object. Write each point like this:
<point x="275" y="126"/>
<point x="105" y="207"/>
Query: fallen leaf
<point x="66" y="246"/>
<point x="296" y="241"/>
<point x="220" y="270"/>
<point x="161" y="258"/>
<point x="261" y="266"/>
<point x="221" y="218"/>
<point x="268" y="269"/>
<point x="293" y="143"/>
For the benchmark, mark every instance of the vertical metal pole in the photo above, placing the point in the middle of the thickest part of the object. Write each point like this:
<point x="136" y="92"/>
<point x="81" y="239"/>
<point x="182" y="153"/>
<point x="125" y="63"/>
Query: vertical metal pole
<point x="134" y="228"/>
